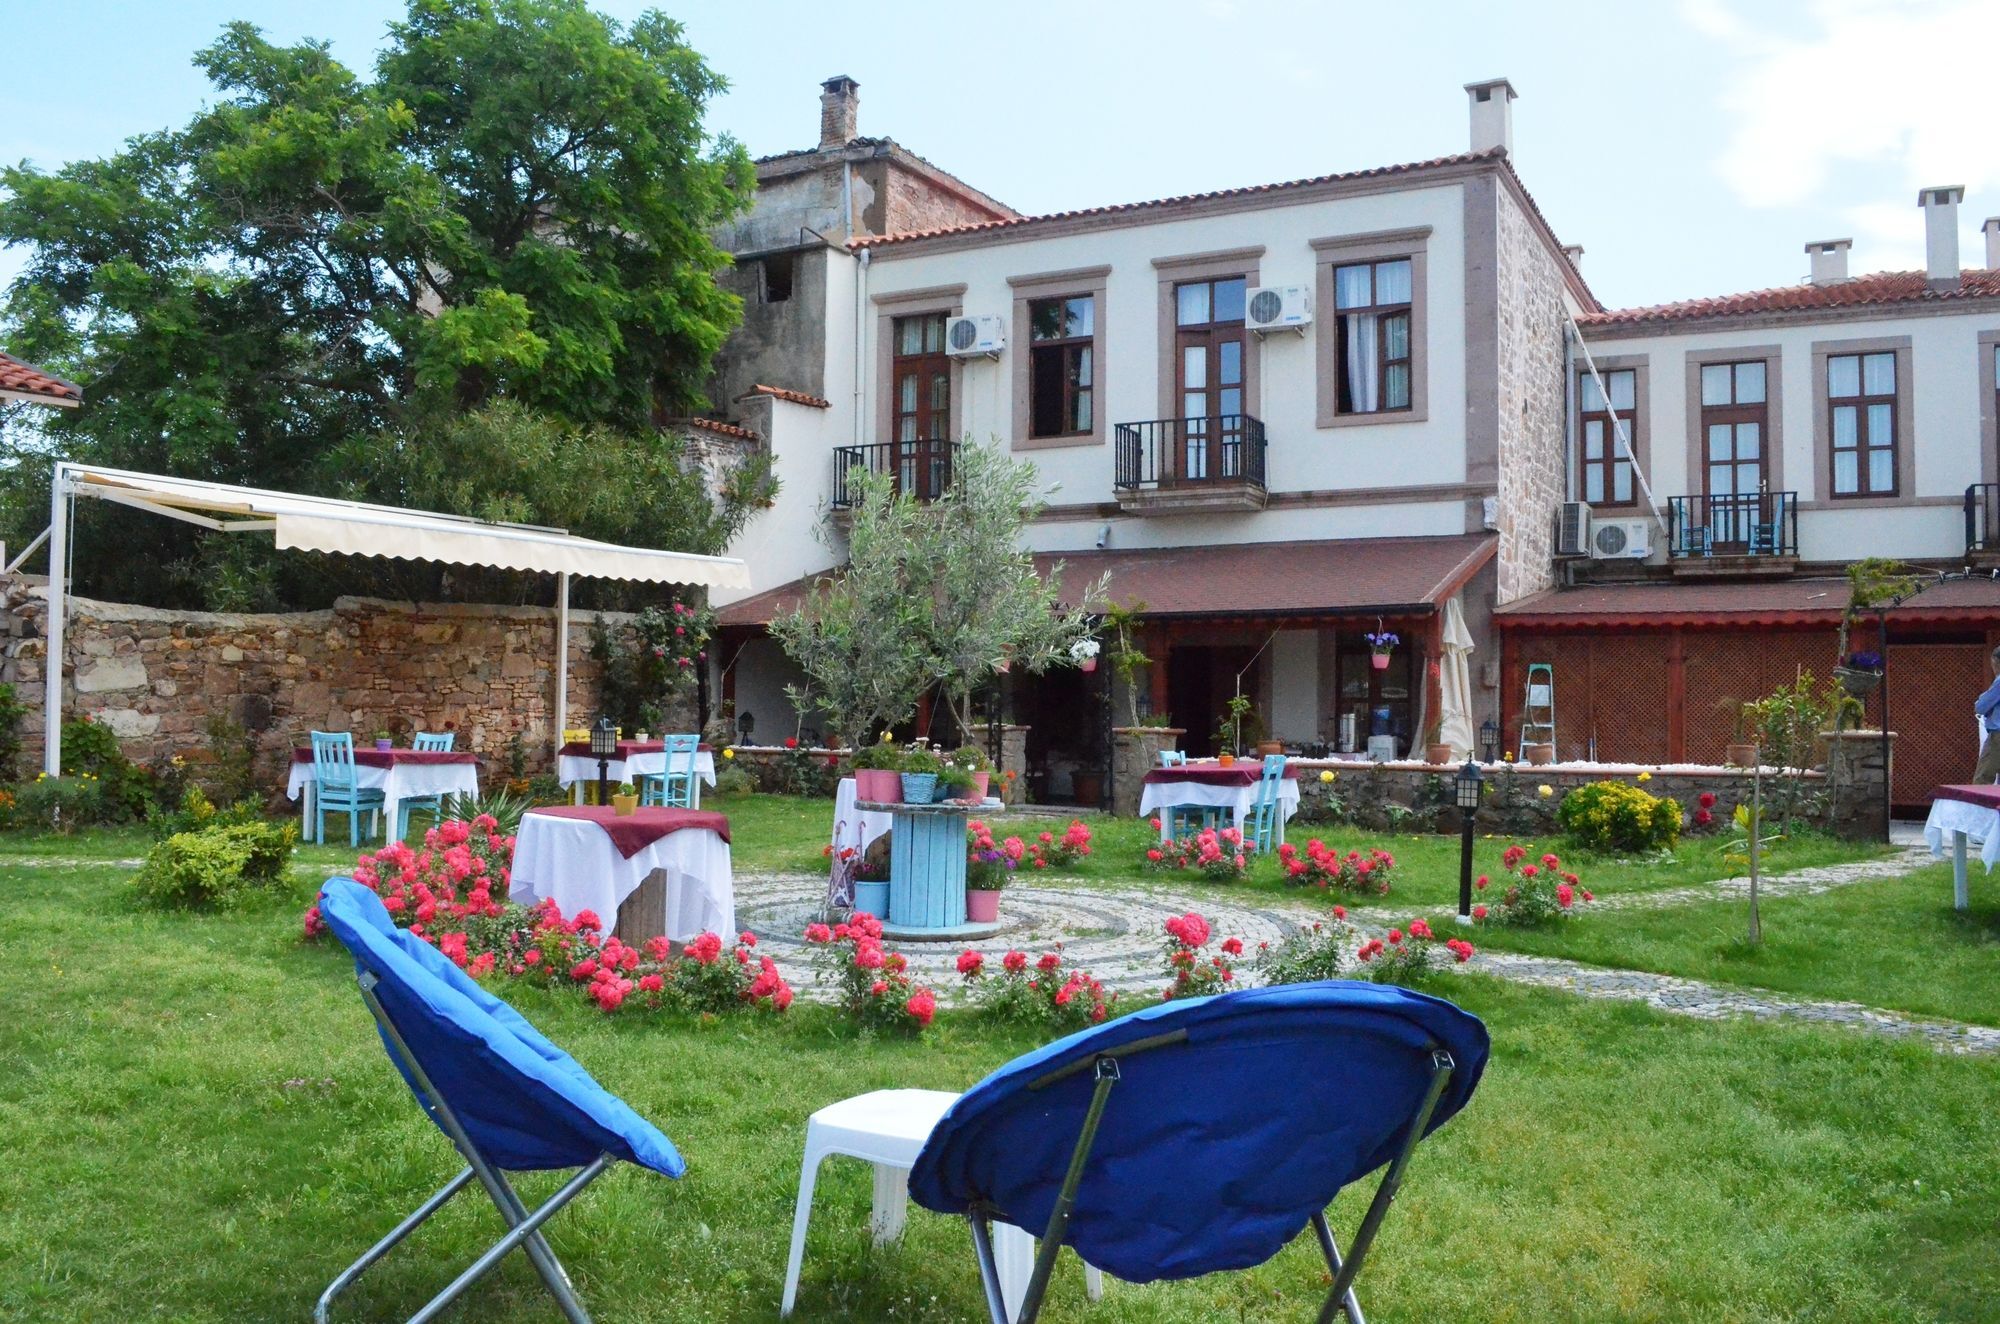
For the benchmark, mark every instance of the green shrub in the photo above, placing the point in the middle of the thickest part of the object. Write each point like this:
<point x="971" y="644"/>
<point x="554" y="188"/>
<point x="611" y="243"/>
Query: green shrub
<point x="1615" y="817"/>
<point x="126" y="789"/>
<point x="216" y="867"/>
<point x="731" y="780"/>
<point x="197" y="811"/>
<point x="59" y="804"/>
<point x="11" y="712"/>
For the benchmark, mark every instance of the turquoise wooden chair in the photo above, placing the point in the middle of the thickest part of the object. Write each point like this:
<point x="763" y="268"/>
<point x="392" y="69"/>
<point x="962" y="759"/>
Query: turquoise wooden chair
<point x="335" y="787"/>
<point x="1267" y="825"/>
<point x="1768" y="538"/>
<point x="436" y="742"/>
<point x="673" y="788"/>
<point x="1172" y="758"/>
<point x="1186" y="819"/>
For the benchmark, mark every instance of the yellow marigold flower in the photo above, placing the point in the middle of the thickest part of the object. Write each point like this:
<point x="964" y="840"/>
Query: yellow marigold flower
<point x="1326" y="774"/>
<point x="1645" y="776"/>
<point x="729" y="753"/>
<point x="1545" y="790"/>
<point x="1507" y="757"/>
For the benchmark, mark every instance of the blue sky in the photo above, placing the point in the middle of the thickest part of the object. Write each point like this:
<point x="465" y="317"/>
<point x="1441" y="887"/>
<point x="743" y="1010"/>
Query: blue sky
<point x="1692" y="148"/>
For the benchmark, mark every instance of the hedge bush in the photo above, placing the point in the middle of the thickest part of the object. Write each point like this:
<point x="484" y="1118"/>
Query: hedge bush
<point x="216" y="867"/>
<point x="1618" y="818"/>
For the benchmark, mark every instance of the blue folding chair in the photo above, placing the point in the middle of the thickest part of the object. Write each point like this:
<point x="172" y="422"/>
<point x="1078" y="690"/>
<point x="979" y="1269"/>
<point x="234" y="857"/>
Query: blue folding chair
<point x="1106" y="1141"/>
<point x="508" y="1099"/>
<point x="336" y="789"/>
<point x="1767" y="538"/>
<point x="438" y="742"/>
<point x="674" y="787"/>
<point x="1267" y="825"/>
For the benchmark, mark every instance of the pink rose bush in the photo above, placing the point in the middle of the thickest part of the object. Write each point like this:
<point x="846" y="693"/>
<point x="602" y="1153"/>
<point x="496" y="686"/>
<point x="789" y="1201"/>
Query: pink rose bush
<point x="1540" y="891"/>
<point x="1196" y="972"/>
<point x="1409" y="955"/>
<point x="871" y="982"/>
<point x="1321" y="866"/>
<point x="1216" y="853"/>
<point x="1046" y="991"/>
<point x="452" y="895"/>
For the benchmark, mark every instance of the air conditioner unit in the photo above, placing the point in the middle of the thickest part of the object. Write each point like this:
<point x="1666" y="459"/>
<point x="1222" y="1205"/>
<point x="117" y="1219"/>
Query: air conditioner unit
<point x="974" y="337"/>
<point x="1573" y="529"/>
<point x="1621" y="539"/>
<point x="1279" y="308"/>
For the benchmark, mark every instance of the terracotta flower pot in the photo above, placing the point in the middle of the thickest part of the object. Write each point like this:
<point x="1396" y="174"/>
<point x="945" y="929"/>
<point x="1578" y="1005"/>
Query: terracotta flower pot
<point x="622" y="805"/>
<point x="1740" y="756"/>
<point x="1226" y="759"/>
<point x="1379" y="661"/>
<point x="1088" y="664"/>
<point x="980" y="781"/>
<point x="982" y="906"/>
<point x="1538" y="755"/>
<point x="1437" y="754"/>
<point x="1270" y="747"/>
<point x="881" y="785"/>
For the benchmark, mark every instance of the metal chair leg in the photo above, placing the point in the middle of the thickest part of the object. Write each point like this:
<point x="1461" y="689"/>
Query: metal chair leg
<point x="386" y="1244"/>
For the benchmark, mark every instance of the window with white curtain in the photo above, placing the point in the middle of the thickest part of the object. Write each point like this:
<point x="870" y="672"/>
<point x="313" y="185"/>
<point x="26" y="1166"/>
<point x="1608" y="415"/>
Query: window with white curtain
<point x="1372" y="321"/>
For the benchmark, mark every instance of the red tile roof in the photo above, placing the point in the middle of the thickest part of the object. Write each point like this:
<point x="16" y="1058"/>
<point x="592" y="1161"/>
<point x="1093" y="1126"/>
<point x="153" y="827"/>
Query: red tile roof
<point x="19" y="378"/>
<point x="1759" y="602"/>
<point x="1347" y="576"/>
<point x="780" y="393"/>
<point x="1464" y="158"/>
<point x="1881" y="288"/>
<point x="714" y="425"/>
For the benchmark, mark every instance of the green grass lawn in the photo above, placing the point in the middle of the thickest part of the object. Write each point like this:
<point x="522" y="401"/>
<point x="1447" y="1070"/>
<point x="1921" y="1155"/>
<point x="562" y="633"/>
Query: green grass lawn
<point x="202" y="1126"/>
<point x="1895" y="943"/>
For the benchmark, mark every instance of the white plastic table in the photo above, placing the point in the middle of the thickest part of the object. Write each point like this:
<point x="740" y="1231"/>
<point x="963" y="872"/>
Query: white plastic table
<point x="395" y="774"/>
<point x="635" y="760"/>
<point x="888" y="1128"/>
<point x="1964" y="813"/>
<point x="1167" y="787"/>
<point x="574" y="862"/>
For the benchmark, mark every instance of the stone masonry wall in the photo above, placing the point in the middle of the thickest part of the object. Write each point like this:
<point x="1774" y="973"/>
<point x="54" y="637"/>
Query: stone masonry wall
<point x="1531" y="404"/>
<point x="155" y="677"/>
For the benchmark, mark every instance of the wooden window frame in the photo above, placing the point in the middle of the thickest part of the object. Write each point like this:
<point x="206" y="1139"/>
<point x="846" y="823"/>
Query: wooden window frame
<point x="946" y="299"/>
<point x="1772" y="357"/>
<point x="1735" y="414"/>
<point x="1189" y="269"/>
<point x="931" y="364"/>
<point x="1612" y="457"/>
<point x="1866" y="443"/>
<point x="1902" y="416"/>
<point x="1073" y="283"/>
<point x="1381" y="313"/>
<point x="1337" y="251"/>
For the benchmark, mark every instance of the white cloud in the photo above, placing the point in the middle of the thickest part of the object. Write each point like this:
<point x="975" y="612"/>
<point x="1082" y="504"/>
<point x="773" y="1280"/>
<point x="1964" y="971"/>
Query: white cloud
<point x="1855" y="83"/>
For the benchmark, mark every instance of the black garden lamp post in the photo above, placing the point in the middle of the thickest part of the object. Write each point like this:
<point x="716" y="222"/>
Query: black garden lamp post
<point x="1468" y="786"/>
<point x="1489" y="740"/>
<point x="603" y="748"/>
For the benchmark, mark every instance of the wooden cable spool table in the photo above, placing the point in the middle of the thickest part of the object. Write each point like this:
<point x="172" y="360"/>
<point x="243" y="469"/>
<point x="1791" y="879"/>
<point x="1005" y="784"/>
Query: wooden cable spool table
<point x="927" y="872"/>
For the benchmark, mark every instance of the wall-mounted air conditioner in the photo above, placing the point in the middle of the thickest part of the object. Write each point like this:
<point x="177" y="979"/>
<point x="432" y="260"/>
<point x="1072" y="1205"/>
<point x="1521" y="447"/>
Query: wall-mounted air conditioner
<point x="1279" y="308"/>
<point x="1573" y="529"/>
<point x="1621" y="539"/>
<point x="975" y="337"/>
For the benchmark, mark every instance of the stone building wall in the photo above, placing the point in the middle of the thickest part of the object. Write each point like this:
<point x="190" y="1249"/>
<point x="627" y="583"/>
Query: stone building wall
<point x="1530" y="310"/>
<point x="155" y="677"/>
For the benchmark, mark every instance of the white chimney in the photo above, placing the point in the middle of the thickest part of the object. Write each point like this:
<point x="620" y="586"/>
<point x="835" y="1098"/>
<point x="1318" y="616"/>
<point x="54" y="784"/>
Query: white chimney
<point x="1574" y="252"/>
<point x="1829" y="260"/>
<point x="1940" y="204"/>
<point x="1992" y="229"/>
<point x="1492" y="115"/>
<point x="839" y="111"/>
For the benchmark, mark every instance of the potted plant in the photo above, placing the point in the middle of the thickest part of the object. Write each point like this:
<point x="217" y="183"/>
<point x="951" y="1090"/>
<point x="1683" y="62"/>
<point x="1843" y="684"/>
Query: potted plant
<point x="383" y="742"/>
<point x="1436" y="752"/>
<point x="986" y="871"/>
<point x="1860" y="673"/>
<point x="920" y="768"/>
<point x="1740" y="753"/>
<point x="1084" y="653"/>
<point x="1381" y="643"/>
<point x="878" y="773"/>
<point x="871" y="878"/>
<point x="973" y="759"/>
<point x="955" y="783"/>
<point x="1873" y="582"/>
<point x="624" y="800"/>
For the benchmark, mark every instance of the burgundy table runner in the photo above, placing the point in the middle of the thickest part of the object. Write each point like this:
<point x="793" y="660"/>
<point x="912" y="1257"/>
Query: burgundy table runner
<point x="1213" y="775"/>
<point x="633" y="832"/>
<point x="580" y="749"/>
<point x="1986" y="797"/>
<point x="386" y="758"/>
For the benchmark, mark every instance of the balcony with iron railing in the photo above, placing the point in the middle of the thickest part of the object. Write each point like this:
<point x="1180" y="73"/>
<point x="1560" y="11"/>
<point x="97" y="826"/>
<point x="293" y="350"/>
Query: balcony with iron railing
<point x="1176" y="465"/>
<point x="1982" y="524"/>
<point x="921" y="469"/>
<point x="1743" y="534"/>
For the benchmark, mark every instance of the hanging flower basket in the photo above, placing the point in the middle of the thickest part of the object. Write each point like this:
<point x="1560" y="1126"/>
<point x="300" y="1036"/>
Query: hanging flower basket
<point x="1084" y="653"/>
<point x="1861" y="674"/>
<point x="1381" y="643"/>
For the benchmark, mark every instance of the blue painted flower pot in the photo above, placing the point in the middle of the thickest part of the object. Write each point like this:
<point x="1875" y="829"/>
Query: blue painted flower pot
<point x="919" y="788"/>
<point x="872" y="898"/>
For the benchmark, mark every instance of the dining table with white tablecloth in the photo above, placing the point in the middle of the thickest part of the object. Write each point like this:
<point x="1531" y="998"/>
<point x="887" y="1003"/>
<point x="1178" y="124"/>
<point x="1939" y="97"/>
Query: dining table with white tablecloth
<point x="1963" y="814"/>
<point x="397" y="773"/>
<point x="590" y="857"/>
<point x="1213" y="786"/>
<point x="576" y="766"/>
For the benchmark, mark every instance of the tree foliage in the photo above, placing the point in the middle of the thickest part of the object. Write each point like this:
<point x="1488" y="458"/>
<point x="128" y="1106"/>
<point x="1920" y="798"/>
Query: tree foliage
<point x="319" y="266"/>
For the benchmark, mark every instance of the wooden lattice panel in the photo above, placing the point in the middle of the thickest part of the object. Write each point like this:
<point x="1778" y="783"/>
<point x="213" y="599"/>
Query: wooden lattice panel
<point x="1931" y="689"/>
<point x="1720" y="671"/>
<point x="1626" y="705"/>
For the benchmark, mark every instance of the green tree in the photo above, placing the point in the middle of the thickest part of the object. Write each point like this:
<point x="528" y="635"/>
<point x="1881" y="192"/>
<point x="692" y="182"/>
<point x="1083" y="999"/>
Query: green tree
<point x="516" y="206"/>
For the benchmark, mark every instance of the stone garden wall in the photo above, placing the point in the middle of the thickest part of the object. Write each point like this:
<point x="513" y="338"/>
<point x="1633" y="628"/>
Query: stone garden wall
<point x="156" y="677"/>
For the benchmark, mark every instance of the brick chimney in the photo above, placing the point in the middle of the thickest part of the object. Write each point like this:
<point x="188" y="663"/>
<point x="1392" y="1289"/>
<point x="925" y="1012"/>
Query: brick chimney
<point x="1829" y="260"/>
<point x="839" y="111"/>
<point x="1492" y="115"/>
<point x="1992" y="231"/>
<point x="1940" y="204"/>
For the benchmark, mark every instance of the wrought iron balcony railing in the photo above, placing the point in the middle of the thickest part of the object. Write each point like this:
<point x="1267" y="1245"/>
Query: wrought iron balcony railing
<point x="1190" y="452"/>
<point x="921" y="469"/>
<point x="1752" y="524"/>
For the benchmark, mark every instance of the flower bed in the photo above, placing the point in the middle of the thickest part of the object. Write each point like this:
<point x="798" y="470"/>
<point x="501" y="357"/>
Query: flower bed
<point x="1046" y="991"/>
<point x="870" y="983"/>
<point x="1538" y="892"/>
<point x="1319" y="865"/>
<point x="1216" y="853"/>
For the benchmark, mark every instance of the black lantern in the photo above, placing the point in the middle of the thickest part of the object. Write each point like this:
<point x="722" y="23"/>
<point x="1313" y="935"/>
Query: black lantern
<point x="746" y="722"/>
<point x="1489" y="740"/>
<point x="603" y="748"/>
<point x="1468" y="786"/>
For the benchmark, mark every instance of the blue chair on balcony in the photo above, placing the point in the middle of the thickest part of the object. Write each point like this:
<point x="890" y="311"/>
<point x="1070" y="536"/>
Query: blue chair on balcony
<point x="1767" y="538"/>
<point x="336" y="788"/>
<point x="439" y="742"/>
<point x="674" y="787"/>
<point x="1267" y="826"/>
<point x="1693" y="539"/>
